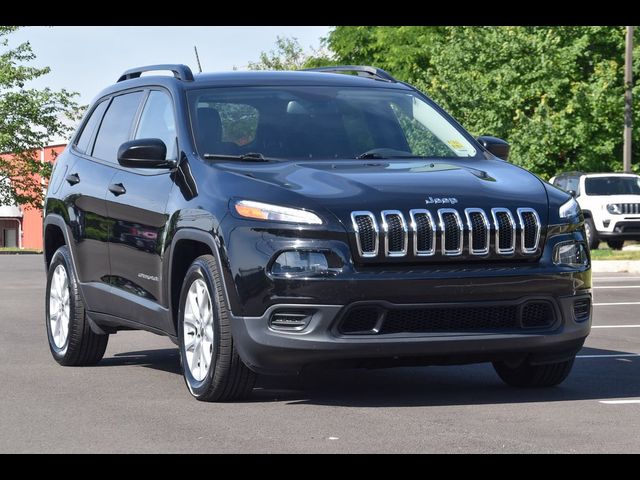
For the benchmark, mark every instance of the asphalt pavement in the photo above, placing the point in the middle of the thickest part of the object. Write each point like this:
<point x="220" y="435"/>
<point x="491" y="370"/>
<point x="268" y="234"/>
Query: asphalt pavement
<point x="135" y="400"/>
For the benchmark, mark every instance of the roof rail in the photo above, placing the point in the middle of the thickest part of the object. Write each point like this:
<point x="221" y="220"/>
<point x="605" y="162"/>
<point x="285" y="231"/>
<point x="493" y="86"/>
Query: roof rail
<point x="361" y="70"/>
<point x="181" y="72"/>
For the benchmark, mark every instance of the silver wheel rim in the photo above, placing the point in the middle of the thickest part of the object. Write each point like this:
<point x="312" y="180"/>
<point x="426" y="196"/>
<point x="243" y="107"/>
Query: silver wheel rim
<point x="59" y="307"/>
<point x="198" y="330"/>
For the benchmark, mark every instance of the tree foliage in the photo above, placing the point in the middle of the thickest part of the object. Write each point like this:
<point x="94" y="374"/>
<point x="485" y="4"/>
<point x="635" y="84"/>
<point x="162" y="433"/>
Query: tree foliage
<point x="29" y="119"/>
<point x="555" y="93"/>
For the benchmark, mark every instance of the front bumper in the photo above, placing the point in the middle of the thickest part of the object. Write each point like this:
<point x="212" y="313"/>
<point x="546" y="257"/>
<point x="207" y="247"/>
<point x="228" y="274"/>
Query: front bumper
<point x="623" y="230"/>
<point x="275" y="352"/>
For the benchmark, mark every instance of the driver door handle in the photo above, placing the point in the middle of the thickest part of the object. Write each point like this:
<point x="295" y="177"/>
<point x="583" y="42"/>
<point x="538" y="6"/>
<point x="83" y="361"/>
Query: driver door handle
<point x="117" y="189"/>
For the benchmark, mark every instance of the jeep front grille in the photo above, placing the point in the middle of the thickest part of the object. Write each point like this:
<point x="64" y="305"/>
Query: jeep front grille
<point x="445" y="231"/>
<point x="628" y="208"/>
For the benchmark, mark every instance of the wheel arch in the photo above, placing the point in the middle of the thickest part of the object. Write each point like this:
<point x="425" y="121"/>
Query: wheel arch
<point x="55" y="234"/>
<point x="187" y="245"/>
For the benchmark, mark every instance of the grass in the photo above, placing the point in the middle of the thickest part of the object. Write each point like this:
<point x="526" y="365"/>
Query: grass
<point x="608" y="254"/>
<point x="19" y="250"/>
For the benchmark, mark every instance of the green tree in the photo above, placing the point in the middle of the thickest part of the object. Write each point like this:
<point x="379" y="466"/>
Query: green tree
<point x="29" y="119"/>
<point x="289" y="55"/>
<point x="555" y="93"/>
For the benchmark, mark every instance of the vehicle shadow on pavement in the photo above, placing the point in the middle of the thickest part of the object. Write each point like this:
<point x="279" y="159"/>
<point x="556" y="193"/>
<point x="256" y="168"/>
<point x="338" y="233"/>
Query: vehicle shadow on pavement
<point x="165" y="359"/>
<point x="591" y="378"/>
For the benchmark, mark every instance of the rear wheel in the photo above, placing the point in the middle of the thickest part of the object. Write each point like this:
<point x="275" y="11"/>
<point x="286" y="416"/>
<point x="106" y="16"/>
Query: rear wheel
<point x="211" y="365"/>
<point x="591" y="233"/>
<point x="533" y="376"/>
<point x="71" y="340"/>
<point x="615" y="244"/>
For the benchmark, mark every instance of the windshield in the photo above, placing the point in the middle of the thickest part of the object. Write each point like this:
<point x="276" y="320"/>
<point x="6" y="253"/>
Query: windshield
<point x="612" y="186"/>
<point x="318" y="122"/>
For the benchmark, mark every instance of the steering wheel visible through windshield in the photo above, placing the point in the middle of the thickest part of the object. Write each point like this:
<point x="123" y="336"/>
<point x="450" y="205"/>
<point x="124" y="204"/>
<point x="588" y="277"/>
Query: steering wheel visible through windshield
<point x="319" y="122"/>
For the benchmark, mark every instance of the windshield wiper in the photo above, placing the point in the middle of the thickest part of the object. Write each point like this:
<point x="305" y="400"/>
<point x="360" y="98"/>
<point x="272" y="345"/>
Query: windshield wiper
<point x="385" y="153"/>
<point x="370" y="155"/>
<point x="246" y="157"/>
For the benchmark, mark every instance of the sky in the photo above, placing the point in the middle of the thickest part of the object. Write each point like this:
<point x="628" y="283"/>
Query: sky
<point x="88" y="59"/>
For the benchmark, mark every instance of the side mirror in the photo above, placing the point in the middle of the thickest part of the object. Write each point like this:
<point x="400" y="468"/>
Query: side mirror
<point x="573" y="193"/>
<point x="144" y="153"/>
<point x="496" y="146"/>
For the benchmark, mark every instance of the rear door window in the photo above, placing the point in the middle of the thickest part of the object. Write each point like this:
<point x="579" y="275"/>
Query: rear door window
<point x="82" y="144"/>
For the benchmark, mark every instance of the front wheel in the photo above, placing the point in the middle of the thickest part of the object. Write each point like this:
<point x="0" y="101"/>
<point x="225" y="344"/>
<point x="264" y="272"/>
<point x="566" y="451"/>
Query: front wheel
<point x="533" y="376"/>
<point x="71" y="340"/>
<point x="591" y="233"/>
<point x="212" y="368"/>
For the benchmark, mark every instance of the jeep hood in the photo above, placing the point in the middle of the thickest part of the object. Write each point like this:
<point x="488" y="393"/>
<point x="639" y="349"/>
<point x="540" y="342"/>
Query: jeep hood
<point x="374" y="185"/>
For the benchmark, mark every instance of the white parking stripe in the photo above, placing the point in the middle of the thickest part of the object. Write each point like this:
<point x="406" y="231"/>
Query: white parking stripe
<point x="618" y="402"/>
<point x="614" y="304"/>
<point x="619" y="286"/>
<point x="615" y="326"/>
<point x="616" y="355"/>
<point x="615" y="278"/>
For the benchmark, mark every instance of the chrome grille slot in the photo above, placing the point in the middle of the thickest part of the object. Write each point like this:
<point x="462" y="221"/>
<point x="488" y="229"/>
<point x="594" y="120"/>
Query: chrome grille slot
<point x="451" y="231"/>
<point x="424" y="233"/>
<point x="529" y="229"/>
<point x="479" y="228"/>
<point x="367" y="233"/>
<point x="395" y="232"/>
<point x="505" y="227"/>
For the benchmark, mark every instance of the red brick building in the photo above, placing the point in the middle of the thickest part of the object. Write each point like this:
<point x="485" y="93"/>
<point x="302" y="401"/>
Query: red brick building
<point x="21" y="226"/>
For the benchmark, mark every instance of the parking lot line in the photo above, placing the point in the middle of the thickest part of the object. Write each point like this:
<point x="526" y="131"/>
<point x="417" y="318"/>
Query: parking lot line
<point x="618" y="402"/>
<point x="615" y="355"/>
<point x="615" y="304"/>
<point x="615" y="326"/>
<point x="615" y="278"/>
<point x="619" y="286"/>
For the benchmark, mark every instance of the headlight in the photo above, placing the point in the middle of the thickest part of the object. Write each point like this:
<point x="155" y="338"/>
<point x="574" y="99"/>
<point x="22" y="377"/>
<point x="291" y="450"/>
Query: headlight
<point x="571" y="254"/>
<point x="614" y="209"/>
<point x="570" y="209"/>
<point x="305" y="263"/>
<point x="266" y="211"/>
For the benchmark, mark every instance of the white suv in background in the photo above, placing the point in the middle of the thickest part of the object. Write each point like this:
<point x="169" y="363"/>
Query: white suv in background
<point x="610" y="203"/>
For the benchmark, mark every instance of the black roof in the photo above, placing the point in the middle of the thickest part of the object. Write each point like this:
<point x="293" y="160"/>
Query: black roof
<point x="184" y="79"/>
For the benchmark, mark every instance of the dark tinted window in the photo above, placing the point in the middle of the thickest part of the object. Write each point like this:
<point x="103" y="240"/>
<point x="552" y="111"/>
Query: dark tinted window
<point x="561" y="182"/>
<point x="90" y="127"/>
<point x="116" y="126"/>
<point x="158" y="121"/>
<point x="296" y="122"/>
<point x="612" y="186"/>
<point x="573" y="183"/>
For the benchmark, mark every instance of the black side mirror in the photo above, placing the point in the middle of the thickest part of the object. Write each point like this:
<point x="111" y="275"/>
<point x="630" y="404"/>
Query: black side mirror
<point x="573" y="193"/>
<point x="496" y="146"/>
<point x="144" y="153"/>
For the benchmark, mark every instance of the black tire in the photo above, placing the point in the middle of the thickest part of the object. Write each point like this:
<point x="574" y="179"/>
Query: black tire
<point x="592" y="234"/>
<point x="83" y="347"/>
<point x="227" y="378"/>
<point x="615" y="244"/>
<point x="534" y="376"/>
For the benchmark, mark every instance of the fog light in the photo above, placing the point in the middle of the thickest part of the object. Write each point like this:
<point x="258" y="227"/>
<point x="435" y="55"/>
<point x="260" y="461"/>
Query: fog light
<point x="305" y="263"/>
<point x="570" y="254"/>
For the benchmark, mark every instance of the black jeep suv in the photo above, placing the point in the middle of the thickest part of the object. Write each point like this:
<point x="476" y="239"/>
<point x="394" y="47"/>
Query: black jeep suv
<point x="271" y="221"/>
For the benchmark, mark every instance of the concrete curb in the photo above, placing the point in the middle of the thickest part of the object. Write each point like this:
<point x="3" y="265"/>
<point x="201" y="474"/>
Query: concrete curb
<point x="616" y="266"/>
<point x="19" y="252"/>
